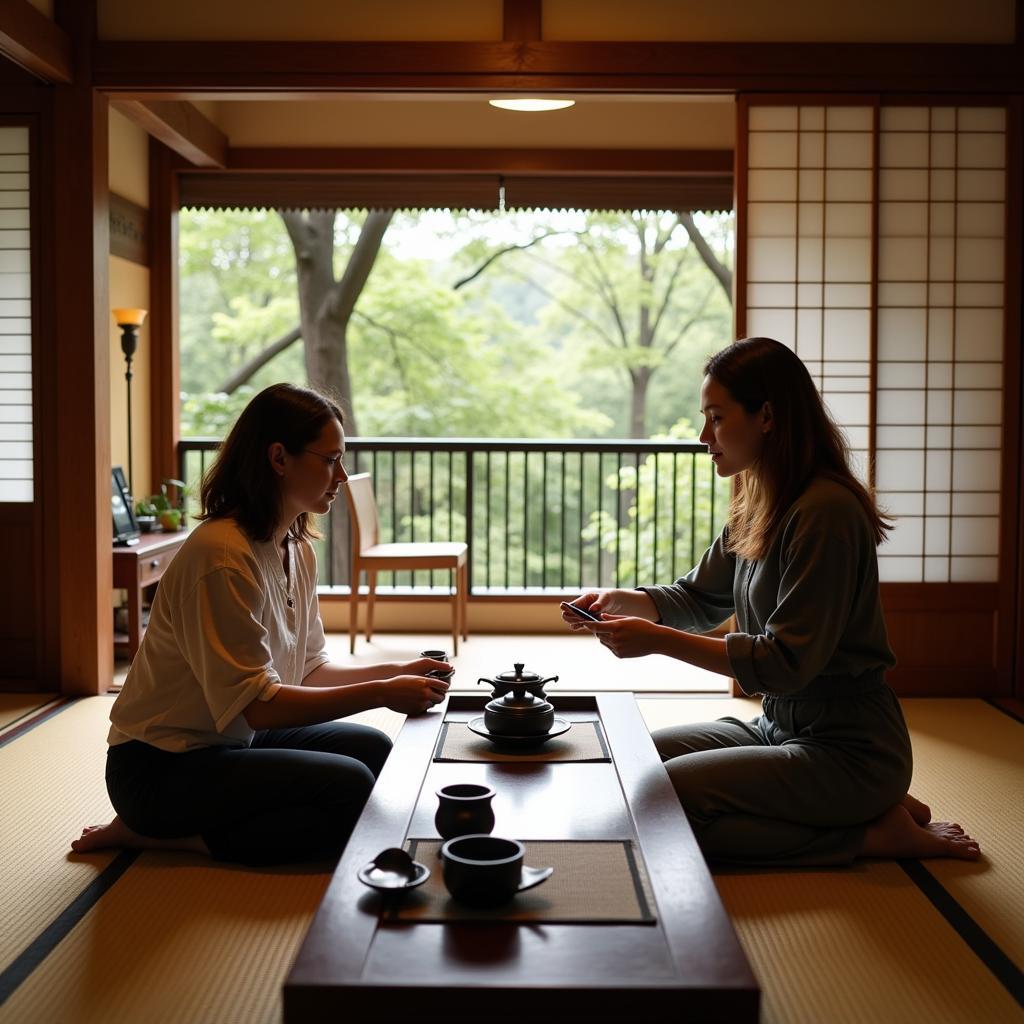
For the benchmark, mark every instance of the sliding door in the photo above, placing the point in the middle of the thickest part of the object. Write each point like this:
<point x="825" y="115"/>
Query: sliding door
<point x="873" y="239"/>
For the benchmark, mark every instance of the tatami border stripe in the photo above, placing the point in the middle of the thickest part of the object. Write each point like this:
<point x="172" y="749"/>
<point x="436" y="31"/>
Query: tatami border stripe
<point x="48" y="711"/>
<point x="1006" y="711"/>
<point x="47" y="940"/>
<point x="31" y="711"/>
<point x="982" y="945"/>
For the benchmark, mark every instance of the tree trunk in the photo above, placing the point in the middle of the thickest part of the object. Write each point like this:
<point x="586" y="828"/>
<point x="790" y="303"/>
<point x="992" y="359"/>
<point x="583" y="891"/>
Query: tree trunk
<point x="325" y="309"/>
<point x="335" y="313"/>
<point x="640" y="379"/>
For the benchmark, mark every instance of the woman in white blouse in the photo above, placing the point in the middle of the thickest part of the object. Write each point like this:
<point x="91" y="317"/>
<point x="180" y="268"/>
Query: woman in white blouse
<point x="225" y="739"/>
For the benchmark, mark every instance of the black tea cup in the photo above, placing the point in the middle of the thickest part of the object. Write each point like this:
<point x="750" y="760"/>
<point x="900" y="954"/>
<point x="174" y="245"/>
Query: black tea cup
<point x="482" y="871"/>
<point x="438" y="656"/>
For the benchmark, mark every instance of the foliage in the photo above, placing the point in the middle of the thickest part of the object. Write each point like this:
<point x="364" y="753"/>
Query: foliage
<point x="627" y="301"/>
<point x="237" y="293"/>
<point x="154" y="504"/>
<point x="670" y="518"/>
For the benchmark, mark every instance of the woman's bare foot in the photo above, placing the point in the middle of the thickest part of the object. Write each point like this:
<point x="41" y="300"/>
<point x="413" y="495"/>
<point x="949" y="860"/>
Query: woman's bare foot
<point x="921" y="813"/>
<point x="897" y="834"/>
<point x="118" y="834"/>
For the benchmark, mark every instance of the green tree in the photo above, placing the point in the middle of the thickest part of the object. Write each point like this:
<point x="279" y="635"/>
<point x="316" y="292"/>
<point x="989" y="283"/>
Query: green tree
<point x="627" y="293"/>
<point x="675" y="509"/>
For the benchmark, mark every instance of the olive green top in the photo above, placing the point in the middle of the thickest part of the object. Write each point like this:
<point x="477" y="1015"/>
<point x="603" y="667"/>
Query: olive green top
<point x="809" y="613"/>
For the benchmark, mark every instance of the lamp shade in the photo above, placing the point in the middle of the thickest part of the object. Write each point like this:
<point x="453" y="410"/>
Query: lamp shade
<point x="129" y="317"/>
<point x="532" y="104"/>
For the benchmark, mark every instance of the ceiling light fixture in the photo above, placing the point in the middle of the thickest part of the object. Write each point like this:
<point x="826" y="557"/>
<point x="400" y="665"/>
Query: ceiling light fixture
<point x="532" y="104"/>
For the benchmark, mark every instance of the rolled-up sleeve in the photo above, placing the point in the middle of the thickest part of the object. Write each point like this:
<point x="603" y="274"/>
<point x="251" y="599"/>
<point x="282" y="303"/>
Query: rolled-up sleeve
<point x="226" y="644"/>
<point x="818" y="581"/>
<point x="703" y="598"/>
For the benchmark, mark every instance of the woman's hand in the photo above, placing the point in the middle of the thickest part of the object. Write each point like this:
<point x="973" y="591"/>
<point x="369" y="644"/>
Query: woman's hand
<point x="628" y="636"/>
<point x="634" y="603"/>
<point x="413" y="694"/>
<point x="421" y="666"/>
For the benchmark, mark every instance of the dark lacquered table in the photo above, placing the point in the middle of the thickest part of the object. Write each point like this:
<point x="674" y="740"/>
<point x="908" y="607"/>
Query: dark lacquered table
<point x="356" y="966"/>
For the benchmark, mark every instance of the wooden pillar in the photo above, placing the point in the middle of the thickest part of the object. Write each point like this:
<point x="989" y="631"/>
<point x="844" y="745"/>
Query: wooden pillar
<point x="80" y="446"/>
<point x="165" y="376"/>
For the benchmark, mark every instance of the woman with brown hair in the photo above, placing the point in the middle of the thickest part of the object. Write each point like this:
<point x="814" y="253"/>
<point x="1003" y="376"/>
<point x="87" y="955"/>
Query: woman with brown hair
<point x="225" y="739"/>
<point x="822" y="775"/>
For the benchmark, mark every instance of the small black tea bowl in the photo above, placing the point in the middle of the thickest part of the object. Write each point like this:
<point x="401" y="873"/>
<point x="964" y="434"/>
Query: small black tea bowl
<point x="438" y="673"/>
<point x="464" y="808"/>
<point x="481" y="870"/>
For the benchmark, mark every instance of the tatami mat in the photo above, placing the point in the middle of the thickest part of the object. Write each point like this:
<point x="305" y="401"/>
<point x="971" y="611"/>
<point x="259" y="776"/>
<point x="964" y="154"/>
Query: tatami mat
<point x="580" y="662"/>
<point x="858" y="946"/>
<point x="389" y="722"/>
<point x="52" y="787"/>
<point x="14" y="706"/>
<point x="969" y="767"/>
<point x="178" y="939"/>
<point x="205" y="942"/>
<point x="661" y="712"/>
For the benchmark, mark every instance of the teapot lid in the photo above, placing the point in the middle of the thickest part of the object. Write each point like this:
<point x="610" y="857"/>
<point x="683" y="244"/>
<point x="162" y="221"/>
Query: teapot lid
<point x="519" y="675"/>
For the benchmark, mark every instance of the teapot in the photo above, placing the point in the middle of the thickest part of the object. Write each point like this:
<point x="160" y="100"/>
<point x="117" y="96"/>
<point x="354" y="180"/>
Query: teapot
<point x="518" y="707"/>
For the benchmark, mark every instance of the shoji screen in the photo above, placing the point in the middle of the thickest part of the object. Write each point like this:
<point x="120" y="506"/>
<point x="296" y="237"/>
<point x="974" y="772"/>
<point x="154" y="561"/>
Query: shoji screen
<point x="940" y="339"/>
<point x="15" y="323"/>
<point x="874" y="248"/>
<point x="809" y="208"/>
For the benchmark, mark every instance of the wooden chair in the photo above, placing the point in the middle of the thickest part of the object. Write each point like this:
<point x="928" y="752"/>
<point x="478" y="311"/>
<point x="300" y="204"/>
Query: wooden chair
<point x="369" y="555"/>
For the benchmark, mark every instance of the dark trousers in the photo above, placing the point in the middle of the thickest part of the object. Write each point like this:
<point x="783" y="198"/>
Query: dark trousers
<point x="796" y="786"/>
<point x="292" y="795"/>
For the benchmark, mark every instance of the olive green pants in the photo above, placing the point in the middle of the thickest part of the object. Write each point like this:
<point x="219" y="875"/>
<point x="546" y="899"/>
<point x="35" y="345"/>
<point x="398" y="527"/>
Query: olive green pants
<point x="796" y="786"/>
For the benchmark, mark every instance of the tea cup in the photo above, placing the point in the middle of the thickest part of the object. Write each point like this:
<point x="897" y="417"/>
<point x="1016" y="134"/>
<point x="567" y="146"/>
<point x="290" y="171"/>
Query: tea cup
<point x="487" y="871"/>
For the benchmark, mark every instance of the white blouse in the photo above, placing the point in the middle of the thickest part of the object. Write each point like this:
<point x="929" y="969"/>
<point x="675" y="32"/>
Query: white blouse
<point x="227" y="627"/>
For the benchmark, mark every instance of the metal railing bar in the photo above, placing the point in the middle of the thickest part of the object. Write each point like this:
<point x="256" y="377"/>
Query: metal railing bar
<point x="582" y="502"/>
<point x="526" y="517"/>
<point x="636" y="530"/>
<point x="675" y="514"/>
<point x="544" y="519"/>
<point x="618" y="514"/>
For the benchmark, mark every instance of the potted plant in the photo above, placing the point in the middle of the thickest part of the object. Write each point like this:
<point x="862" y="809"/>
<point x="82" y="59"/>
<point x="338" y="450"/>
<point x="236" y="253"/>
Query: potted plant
<point x="159" y="511"/>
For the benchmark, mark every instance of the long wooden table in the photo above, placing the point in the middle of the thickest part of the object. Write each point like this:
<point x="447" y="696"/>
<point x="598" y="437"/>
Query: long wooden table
<point x="353" y="965"/>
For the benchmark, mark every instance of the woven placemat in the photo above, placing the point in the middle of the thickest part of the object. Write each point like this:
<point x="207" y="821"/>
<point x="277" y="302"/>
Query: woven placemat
<point x="593" y="883"/>
<point x="583" y="742"/>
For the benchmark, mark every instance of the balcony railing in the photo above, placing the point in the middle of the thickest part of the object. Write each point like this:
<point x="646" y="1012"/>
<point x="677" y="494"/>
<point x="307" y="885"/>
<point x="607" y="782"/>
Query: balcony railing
<point x="539" y="516"/>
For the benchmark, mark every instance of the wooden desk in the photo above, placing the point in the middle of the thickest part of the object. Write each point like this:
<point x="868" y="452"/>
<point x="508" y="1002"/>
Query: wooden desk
<point x="689" y="965"/>
<point x="135" y="567"/>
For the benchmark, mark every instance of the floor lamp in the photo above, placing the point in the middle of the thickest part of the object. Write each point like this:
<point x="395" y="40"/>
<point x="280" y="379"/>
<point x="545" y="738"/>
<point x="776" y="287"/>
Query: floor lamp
<point x="129" y="320"/>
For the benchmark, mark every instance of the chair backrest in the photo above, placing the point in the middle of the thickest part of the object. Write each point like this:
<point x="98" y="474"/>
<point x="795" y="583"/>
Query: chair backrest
<point x="362" y="509"/>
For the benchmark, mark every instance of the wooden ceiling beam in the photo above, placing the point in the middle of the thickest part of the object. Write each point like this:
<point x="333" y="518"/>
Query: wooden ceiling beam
<point x="180" y="127"/>
<point x="456" y="160"/>
<point x="212" y="68"/>
<point x="35" y="43"/>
